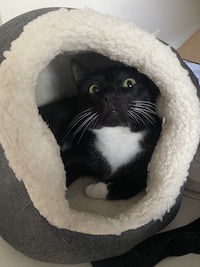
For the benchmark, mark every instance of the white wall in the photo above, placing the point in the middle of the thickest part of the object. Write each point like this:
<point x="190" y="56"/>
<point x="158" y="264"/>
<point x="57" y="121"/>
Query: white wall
<point x="176" y="20"/>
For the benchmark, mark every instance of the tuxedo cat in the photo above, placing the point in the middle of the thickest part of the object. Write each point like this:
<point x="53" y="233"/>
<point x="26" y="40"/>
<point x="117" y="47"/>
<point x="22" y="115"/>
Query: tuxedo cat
<point x="111" y="132"/>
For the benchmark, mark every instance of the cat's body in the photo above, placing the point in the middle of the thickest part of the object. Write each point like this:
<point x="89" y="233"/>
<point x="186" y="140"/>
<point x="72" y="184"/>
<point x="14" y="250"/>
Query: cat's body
<point x="114" y="132"/>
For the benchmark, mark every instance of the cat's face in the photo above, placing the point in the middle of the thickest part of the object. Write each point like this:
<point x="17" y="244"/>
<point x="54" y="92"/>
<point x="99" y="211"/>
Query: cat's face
<point x="115" y="96"/>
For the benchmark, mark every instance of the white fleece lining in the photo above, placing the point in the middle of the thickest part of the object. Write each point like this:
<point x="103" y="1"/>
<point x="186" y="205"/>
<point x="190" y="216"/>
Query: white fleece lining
<point x="30" y="146"/>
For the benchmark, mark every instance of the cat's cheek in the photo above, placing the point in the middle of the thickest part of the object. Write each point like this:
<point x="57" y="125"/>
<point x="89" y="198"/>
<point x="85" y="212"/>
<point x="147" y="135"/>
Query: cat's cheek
<point x="97" y="190"/>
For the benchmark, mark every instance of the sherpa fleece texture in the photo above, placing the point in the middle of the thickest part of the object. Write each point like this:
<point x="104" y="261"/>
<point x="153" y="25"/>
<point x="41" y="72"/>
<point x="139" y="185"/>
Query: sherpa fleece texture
<point x="30" y="146"/>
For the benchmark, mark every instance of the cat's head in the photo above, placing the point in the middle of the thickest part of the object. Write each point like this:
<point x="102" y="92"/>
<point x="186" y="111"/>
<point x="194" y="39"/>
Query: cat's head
<point x="115" y="96"/>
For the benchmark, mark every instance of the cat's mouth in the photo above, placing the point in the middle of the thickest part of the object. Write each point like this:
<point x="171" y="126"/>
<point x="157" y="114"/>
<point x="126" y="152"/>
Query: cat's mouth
<point x="113" y="112"/>
<point x="111" y="118"/>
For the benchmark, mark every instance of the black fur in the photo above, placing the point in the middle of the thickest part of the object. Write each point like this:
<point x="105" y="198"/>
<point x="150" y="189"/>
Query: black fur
<point x="109" y="103"/>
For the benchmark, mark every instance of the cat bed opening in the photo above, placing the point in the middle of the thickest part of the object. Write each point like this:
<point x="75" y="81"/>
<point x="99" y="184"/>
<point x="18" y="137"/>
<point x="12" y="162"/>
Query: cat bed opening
<point x="36" y="216"/>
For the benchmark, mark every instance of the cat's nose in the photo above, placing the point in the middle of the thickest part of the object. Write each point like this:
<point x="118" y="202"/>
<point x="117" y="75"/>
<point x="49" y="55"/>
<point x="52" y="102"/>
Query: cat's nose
<point x="109" y="98"/>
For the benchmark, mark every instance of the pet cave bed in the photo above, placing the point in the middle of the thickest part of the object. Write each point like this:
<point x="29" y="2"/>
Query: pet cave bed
<point x="36" y="217"/>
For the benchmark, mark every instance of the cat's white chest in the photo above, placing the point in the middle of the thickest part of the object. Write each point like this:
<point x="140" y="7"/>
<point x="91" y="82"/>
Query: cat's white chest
<point x="118" y="145"/>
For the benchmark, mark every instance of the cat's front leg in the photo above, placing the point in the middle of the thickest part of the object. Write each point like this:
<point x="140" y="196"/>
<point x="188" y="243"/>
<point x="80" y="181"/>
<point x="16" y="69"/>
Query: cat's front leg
<point x="97" y="190"/>
<point x="111" y="190"/>
<point x="121" y="185"/>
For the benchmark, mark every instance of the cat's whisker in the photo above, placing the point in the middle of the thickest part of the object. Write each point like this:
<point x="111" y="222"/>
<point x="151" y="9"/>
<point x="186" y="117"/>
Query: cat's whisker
<point x="87" y="126"/>
<point x="81" y="115"/>
<point x="145" y="115"/>
<point x="143" y="103"/>
<point x="122" y="123"/>
<point x="135" y="117"/>
<point x="95" y="122"/>
<point x="144" y="108"/>
<point x="147" y="108"/>
<point x="83" y="124"/>
<point x="146" y="102"/>
<point x="78" y="119"/>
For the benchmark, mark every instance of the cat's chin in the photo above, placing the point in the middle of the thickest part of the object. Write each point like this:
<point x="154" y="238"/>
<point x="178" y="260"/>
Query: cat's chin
<point x="111" y="123"/>
<point x="111" y="119"/>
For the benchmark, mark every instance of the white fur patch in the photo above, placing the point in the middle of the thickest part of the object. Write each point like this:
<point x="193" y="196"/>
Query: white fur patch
<point x="97" y="190"/>
<point x="118" y="145"/>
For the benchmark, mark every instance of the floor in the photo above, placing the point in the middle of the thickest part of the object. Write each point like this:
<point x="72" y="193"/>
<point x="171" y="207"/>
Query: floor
<point x="189" y="211"/>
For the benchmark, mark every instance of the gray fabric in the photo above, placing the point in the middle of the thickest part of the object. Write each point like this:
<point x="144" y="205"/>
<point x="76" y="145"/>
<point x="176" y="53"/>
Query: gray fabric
<point x="13" y="28"/>
<point x="130" y="238"/>
<point x="22" y="226"/>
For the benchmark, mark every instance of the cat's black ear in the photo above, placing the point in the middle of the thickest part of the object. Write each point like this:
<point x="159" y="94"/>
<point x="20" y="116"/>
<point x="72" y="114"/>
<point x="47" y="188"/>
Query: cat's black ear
<point x="79" y="71"/>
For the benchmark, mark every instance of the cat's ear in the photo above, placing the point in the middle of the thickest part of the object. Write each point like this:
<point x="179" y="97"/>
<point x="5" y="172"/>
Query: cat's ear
<point x="79" y="71"/>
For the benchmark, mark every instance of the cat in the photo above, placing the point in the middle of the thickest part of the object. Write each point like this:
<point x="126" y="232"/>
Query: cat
<point x="112" y="131"/>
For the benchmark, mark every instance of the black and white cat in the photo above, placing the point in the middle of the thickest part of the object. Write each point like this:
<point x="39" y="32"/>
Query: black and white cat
<point x="112" y="132"/>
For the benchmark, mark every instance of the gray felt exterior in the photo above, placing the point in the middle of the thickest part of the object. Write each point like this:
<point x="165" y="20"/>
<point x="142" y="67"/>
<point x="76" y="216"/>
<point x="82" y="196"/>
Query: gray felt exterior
<point x="21" y="224"/>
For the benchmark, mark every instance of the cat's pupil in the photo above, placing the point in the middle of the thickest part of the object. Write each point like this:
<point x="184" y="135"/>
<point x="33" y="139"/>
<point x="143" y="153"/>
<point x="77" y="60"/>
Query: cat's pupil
<point x="129" y="83"/>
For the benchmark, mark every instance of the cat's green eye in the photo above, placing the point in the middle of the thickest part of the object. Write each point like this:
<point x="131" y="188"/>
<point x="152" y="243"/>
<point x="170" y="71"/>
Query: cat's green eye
<point x="94" y="89"/>
<point x="128" y="83"/>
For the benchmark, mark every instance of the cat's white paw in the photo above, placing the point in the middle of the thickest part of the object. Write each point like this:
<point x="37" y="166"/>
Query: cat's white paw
<point x="97" y="190"/>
